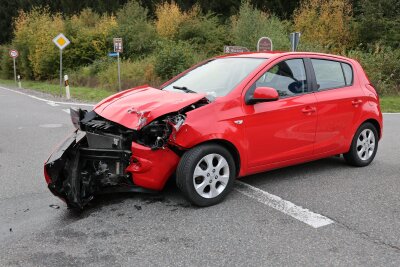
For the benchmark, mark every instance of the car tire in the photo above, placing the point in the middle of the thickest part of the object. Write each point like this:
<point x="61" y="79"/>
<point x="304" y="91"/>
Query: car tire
<point x="205" y="174"/>
<point x="363" y="147"/>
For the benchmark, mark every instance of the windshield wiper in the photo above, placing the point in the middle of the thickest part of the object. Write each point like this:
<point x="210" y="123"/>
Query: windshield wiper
<point x="184" y="88"/>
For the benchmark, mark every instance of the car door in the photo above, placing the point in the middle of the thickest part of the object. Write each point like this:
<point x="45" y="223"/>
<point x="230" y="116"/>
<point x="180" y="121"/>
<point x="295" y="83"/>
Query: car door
<point x="339" y="104"/>
<point x="281" y="130"/>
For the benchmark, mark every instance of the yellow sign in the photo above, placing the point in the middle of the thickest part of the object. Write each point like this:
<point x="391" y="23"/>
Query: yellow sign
<point x="61" y="41"/>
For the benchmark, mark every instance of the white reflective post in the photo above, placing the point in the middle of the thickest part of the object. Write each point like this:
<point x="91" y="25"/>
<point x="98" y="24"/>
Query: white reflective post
<point x="119" y="74"/>
<point x="67" y="92"/>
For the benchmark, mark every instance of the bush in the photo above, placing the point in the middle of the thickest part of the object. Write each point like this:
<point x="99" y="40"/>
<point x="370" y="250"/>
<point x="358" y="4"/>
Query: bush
<point x="34" y="31"/>
<point x="204" y="32"/>
<point x="382" y="67"/>
<point x="138" y="34"/>
<point x="91" y="38"/>
<point x="169" y="19"/>
<point x="251" y="24"/>
<point x="326" y="23"/>
<point x="173" y="58"/>
<point x="133" y="73"/>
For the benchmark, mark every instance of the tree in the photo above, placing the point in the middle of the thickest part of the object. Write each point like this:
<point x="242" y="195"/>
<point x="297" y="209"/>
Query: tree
<point x="326" y="23"/>
<point x="379" y="22"/>
<point x="251" y="24"/>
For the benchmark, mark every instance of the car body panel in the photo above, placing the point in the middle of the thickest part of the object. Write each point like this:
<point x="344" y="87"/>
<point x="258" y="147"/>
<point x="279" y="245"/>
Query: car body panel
<point x="139" y="106"/>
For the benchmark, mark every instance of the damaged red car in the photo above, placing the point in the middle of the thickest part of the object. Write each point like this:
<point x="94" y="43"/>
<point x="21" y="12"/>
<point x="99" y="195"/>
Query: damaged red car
<point x="224" y="118"/>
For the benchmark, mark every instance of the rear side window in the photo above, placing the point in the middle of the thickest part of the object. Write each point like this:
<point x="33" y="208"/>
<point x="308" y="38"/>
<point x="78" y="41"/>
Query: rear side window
<point x="329" y="74"/>
<point x="348" y="73"/>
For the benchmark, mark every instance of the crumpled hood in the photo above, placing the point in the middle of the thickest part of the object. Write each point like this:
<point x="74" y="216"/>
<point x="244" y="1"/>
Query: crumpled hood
<point x="134" y="108"/>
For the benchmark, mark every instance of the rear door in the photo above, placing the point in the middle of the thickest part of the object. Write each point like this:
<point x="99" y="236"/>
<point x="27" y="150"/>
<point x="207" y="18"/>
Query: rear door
<point x="339" y="103"/>
<point x="281" y="130"/>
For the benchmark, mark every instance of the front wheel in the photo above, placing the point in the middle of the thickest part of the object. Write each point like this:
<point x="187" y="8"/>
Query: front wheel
<point x="205" y="174"/>
<point x="363" y="147"/>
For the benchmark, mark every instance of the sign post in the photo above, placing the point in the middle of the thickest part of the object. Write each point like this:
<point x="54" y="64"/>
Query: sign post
<point x="14" y="54"/>
<point x="61" y="42"/>
<point x="294" y="40"/>
<point x="264" y="44"/>
<point x="118" y="48"/>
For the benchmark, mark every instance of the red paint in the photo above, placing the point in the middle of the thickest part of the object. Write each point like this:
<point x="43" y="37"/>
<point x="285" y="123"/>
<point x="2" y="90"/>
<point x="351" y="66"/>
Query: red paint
<point x="265" y="135"/>
<point x="151" y="168"/>
<point x="128" y="107"/>
<point x="265" y="93"/>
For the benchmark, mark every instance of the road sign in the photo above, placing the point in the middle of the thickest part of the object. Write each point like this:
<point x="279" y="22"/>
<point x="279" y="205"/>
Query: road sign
<point x="112" y="54"/>
<point x="294" y="40"/>
<point x="13" y="53"/>
<point x="118" y="45"/>
<point x="61" y="41"/>
<point x="228" y="49"/>
<point x="264" y="44"/>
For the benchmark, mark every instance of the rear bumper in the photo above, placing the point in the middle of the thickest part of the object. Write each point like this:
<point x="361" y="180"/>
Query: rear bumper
<point x="70" y="172"/>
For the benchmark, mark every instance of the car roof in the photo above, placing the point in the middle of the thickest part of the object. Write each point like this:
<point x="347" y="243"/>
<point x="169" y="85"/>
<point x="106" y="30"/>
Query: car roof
<point x="276" y="54"/>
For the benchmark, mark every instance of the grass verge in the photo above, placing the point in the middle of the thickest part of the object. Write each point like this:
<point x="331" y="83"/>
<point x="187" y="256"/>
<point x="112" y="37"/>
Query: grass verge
<point x="80" y="93"/>
<point x="388" y="103"/>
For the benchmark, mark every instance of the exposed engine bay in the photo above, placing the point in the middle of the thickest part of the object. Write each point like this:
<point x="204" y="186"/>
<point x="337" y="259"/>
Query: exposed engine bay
<point x="95" y="158"/>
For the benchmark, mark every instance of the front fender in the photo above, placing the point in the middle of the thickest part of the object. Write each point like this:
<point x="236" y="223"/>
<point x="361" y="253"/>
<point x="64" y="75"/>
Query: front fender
<point x="213" y="123"/>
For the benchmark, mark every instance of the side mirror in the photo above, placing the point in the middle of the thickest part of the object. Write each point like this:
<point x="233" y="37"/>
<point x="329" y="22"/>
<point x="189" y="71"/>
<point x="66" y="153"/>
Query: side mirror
<point x="263" y="94"/>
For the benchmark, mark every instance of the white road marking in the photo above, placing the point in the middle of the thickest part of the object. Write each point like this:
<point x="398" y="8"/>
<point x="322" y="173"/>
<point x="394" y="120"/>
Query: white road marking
<point x="53" y="104"/>
<point x="51" y="125"/>
<point x="46" y="100"/>
<point x="304" y="215"/>
<point x="66" y="110"/>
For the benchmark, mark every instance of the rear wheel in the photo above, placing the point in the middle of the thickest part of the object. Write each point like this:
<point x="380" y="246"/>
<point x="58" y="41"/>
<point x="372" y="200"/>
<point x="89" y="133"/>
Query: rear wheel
<point x="363" y="147"/>
<point x="205" y="174"/>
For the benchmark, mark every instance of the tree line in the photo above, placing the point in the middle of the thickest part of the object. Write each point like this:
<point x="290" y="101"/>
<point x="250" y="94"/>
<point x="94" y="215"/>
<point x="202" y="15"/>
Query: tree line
<point x="162" y="38"/>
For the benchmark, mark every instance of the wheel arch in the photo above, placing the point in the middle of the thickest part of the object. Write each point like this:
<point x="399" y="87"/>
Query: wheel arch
<point x="230" y="147"/>
<point x="376" y="125"/>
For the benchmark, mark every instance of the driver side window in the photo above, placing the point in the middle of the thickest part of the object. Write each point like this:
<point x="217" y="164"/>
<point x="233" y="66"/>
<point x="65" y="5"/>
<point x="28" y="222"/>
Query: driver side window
<point x="287" y="77"/>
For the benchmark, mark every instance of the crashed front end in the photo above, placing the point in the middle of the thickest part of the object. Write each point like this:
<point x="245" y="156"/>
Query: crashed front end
<point x="104" y="156"/>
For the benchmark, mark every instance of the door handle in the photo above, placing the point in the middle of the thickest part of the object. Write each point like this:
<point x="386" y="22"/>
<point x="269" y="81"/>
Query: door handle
<point x="308" y="110"/>
<point x="356" y="102"/>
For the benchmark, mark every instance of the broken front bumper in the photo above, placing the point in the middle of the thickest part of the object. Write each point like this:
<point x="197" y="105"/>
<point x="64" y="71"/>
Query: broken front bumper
<point x="76" y="172"/>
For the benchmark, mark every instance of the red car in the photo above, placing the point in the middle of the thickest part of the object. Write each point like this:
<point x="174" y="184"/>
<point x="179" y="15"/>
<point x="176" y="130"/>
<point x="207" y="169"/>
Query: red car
<point x="226" y="117"/>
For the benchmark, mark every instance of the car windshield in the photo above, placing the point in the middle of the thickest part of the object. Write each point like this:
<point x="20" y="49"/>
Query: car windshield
<point x="216" y="77"/>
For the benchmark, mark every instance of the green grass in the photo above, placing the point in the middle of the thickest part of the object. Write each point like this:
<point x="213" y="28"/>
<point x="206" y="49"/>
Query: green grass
<point x="79" y="93"/>
<point x="388" y="103"/>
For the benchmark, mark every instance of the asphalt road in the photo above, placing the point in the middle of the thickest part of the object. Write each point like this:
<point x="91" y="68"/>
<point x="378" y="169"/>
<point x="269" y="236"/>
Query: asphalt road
<point x="36" y="228"/>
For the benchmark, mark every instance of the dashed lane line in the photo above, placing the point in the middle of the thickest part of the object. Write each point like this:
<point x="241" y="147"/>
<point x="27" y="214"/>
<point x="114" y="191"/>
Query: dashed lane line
<point x="314" y="220"/>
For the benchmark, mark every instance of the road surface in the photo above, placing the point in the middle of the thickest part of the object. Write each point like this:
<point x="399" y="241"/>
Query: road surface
<point x="358" y="207"/>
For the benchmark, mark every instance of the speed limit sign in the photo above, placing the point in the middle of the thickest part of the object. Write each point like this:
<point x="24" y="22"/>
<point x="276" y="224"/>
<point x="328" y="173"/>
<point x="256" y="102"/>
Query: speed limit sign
<point x="13" y="53"/>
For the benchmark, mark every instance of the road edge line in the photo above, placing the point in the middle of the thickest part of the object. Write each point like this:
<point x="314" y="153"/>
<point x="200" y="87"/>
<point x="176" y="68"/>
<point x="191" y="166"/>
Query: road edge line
<point x="46" y="100"/>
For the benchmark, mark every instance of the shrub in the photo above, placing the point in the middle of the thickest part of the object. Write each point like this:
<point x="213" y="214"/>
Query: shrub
<point x="382" y="67"/>
<point x="204" y="32"/>
<point x="138" y="34"/>
<point x="169" y="19"/>
<point x="91" y="38"/>
<point x="326" y="23"/>
<point x="133" y="73"/>
<point x="33" y="34"/>
<point x="173" y="58"/>
<point x="250" y="24"/>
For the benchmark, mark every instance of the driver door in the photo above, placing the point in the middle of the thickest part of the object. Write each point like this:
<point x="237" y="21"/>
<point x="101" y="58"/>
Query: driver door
<point x="281" y="130"/>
